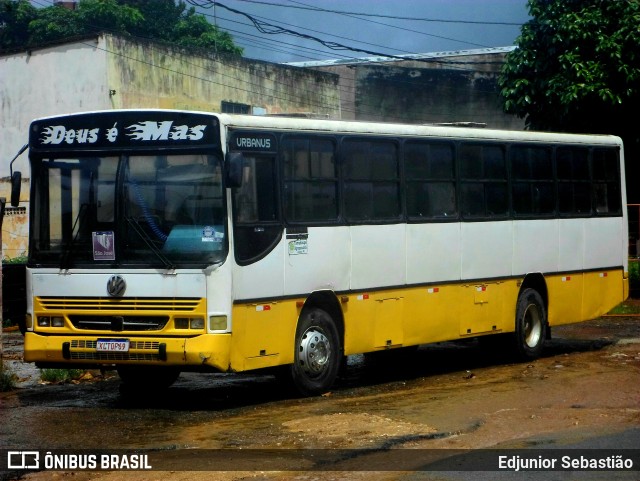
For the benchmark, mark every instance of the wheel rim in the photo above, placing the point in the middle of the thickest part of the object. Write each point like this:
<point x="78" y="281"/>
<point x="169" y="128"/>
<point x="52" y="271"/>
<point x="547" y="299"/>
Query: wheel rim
<point x="314" y="353"/>
<point x="532" y="326"/>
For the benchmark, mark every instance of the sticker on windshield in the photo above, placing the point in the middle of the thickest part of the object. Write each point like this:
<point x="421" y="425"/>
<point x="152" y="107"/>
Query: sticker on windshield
<point x="209" y="234"/>
<point x="103" y="246"/>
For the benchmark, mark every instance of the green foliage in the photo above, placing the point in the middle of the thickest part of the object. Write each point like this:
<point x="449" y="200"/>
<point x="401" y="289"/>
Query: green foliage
<point x="23" y="26"/>
<point x="634" y="272"/>
<point x="21" y="259"/>
<point x="576" y="66"/>
<point x="60" y="375"/>
<point x="7" y="378"/>
<point x="14" y="23"/>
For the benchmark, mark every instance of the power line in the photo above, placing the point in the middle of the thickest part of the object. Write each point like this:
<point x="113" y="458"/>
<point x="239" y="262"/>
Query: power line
<point x="273" y="29"/>
<point x="260" y="86"/>
<point x="404" y="29"/>
<point x="303" y="6"/>
<point x="362" y="109"/>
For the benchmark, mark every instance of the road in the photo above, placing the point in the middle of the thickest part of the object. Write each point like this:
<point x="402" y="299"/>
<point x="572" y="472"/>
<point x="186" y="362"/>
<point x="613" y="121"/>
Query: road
<point x="390" y="417"/>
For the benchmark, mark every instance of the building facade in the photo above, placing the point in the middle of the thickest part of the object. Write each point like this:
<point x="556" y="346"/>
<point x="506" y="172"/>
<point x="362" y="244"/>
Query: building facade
<point x="440" y="87"/>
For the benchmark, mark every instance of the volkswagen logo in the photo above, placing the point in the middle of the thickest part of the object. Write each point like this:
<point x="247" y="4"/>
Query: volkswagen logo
<point x="116" y="286"/>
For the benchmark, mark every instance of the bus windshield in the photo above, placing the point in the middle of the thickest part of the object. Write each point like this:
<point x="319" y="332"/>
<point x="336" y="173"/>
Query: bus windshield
<point x="162" y="211"/>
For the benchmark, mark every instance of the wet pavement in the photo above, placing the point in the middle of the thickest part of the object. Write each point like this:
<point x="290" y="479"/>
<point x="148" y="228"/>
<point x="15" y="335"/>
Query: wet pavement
<point x="584" y="390"/>
<point x="26" y="374"/>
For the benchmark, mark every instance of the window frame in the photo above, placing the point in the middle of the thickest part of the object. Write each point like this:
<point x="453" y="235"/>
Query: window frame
<point x="346" y="180"/>
<point x="428" y="179"/>
<point x="484" y="180"/>
<point x="288" y="180"/>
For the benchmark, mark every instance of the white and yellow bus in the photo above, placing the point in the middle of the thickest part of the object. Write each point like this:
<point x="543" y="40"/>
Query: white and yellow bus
<point x="167" y="241"/>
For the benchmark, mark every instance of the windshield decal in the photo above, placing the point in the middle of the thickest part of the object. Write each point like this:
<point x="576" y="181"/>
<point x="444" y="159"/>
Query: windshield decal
<point x="149" y="130"/>
<point x="142" y="131"/>
<point x="103" y="246"/>
<point x="124" y="129"/>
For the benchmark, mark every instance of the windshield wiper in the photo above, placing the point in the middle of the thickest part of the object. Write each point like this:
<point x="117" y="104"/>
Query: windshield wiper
<point x="69" y="247"/>
<point x="137" y="228"/>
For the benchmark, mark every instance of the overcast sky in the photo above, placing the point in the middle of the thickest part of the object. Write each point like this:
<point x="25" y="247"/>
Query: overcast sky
<point x="396" y="27"/>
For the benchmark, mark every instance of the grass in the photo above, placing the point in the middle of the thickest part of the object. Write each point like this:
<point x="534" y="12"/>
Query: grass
<point x="7" y="378"/>
<point x="626" y="308"/>
<point x="60" y="375"/>
<point x="634" y="272"/>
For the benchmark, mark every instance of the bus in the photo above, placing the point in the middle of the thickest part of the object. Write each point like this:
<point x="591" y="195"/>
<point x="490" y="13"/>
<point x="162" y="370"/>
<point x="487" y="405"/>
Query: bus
<point x="169" y="241"/>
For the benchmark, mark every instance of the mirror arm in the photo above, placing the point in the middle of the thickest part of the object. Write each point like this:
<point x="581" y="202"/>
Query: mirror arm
<point x="24" y="147"/>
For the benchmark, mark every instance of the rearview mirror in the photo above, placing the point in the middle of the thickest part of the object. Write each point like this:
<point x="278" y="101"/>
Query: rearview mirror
<point x="16" y="185"/>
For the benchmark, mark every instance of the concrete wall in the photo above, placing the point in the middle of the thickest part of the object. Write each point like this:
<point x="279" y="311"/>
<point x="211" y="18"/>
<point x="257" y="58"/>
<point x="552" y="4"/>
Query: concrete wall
<point x="59" y="79"/>
<point x="152" y="75"/>
<point x="431" y="88"/>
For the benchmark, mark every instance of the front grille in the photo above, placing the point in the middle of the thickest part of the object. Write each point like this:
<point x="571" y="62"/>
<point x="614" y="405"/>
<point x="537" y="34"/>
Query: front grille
<point x="140" y="345"/>
<point x="120" y="304"/>
<point x="152" y="346"/>
<point x="118" y="323"/>
<point x="113" y="356"/>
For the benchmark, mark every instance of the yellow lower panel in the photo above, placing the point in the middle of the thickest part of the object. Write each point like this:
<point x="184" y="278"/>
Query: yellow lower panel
<point x="583" y="296"/>
<point x="427" y="314"/>
<point x="208" y="350"/>
<point x="263" y="334"/>
<point x="212" y="350"/>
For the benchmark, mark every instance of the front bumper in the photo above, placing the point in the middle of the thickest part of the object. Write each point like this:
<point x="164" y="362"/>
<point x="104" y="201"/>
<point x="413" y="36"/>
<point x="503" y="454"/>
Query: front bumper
<point x="187" y="353"/>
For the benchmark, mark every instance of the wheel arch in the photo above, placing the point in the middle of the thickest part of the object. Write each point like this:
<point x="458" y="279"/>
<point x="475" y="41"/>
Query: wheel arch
<point x="537" y="281"/>
<point x="328" y="301"/>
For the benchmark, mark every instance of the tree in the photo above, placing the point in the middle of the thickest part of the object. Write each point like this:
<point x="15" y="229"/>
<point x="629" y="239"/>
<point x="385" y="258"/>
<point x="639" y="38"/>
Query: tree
<point x="23" y="26"/>
<point x="576" y="68"/>
<point x="574" y="59"/>
<point x="14" y="23"/>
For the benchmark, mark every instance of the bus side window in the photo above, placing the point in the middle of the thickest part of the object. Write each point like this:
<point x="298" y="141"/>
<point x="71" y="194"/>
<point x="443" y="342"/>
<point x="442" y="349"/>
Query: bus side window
<point x="371" y="180"/>
<point x="606" y="181"/>
<point x="532" y="174"/>
<point x="430" y="178"/>
<point x="573" y="181"/>
<point x="310" y="180"/>
<point x="483" y="184"/>
<point x="257" y="228"/>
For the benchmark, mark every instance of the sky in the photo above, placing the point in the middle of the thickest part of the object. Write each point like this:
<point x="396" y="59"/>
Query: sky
<point x="391" y="27"/>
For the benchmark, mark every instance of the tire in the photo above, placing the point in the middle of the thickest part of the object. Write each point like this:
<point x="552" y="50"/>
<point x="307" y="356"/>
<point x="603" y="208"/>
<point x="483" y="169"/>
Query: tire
<point x="141" y="379"/>
<point x="531" y="325"/>
<point x="317" y="355"/>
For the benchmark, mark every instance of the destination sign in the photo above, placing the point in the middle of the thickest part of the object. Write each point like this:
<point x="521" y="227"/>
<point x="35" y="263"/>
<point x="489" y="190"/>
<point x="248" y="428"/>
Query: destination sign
<point x="124" y="129"/>
<point x="253" y="142"/>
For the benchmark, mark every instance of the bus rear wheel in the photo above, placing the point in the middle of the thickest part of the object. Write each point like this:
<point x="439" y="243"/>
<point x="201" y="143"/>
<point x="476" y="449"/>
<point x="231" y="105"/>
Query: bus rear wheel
<point x="531" y="325"/>
<point x="317" y="353"/>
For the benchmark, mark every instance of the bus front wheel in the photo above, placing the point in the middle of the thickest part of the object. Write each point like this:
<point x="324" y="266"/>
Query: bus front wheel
<point x="531" y="325"/>
<point x="317" y="353"/>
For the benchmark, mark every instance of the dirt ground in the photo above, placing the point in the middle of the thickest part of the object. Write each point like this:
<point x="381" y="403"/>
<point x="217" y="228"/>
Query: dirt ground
<point x="445" y="396"/>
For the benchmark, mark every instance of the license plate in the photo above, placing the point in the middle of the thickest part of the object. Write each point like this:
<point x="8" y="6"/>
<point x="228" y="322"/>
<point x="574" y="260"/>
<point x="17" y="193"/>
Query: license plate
<point x="112" y="345"/>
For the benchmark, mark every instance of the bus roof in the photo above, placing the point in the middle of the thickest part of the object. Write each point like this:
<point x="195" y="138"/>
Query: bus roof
<point x="293" y="123"/>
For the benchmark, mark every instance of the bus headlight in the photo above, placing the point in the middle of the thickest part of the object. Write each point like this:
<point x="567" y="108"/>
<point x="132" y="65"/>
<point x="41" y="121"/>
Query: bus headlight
<point x="189" y="323"/>
<point x="50" y="321"/>
<point x="181" y="322"/>
<point x="217" y="323"/>
<point x="196" y="323"/>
